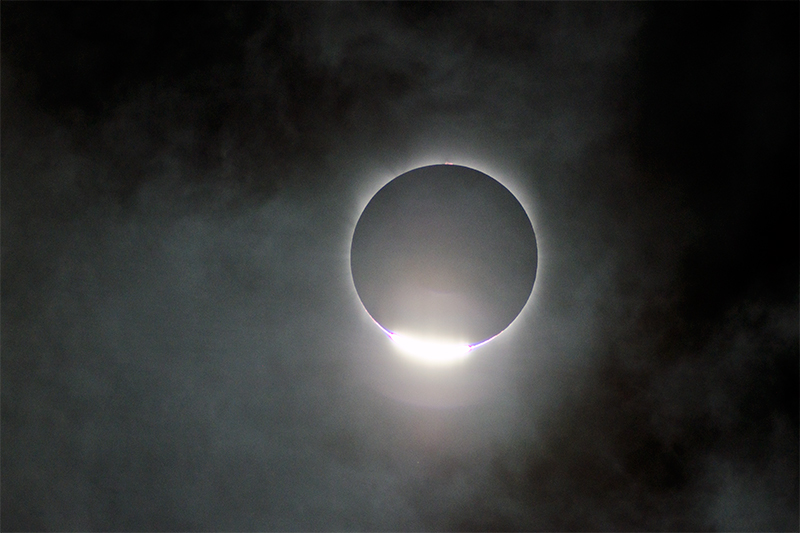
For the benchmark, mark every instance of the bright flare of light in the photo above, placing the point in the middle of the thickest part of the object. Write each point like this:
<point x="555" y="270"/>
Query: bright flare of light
<point x="430" y="351"/>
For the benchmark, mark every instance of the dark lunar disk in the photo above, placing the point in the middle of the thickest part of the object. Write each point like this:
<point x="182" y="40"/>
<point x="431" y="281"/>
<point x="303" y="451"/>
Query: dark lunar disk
<point x="444" y="251"/>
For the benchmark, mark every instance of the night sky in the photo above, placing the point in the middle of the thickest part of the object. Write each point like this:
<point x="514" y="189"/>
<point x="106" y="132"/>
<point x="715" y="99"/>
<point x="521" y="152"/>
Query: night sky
<point x="182" y="344"/>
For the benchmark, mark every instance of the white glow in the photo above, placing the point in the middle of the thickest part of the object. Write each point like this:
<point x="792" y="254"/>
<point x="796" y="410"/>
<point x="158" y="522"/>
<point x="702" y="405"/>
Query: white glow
<point x="430" y="351"/>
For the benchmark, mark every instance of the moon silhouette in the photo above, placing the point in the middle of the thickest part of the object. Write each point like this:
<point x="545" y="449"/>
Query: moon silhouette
<point x="443" y="256"/>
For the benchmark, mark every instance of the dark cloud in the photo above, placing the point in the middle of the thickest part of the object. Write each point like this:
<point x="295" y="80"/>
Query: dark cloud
<point x="182" y="347"/>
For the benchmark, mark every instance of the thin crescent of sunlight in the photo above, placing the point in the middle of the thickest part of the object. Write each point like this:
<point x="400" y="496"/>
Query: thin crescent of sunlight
<point x="431" y="350"/>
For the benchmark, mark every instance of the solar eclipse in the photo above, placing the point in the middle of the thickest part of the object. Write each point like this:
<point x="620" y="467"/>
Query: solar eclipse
<point x="443" y="259"/>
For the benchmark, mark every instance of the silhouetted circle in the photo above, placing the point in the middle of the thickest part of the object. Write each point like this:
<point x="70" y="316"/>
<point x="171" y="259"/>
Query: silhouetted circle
<point x="444" y="251"/>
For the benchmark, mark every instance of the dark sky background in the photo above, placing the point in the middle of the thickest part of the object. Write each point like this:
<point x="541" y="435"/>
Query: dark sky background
<point x="182" y="346"/>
